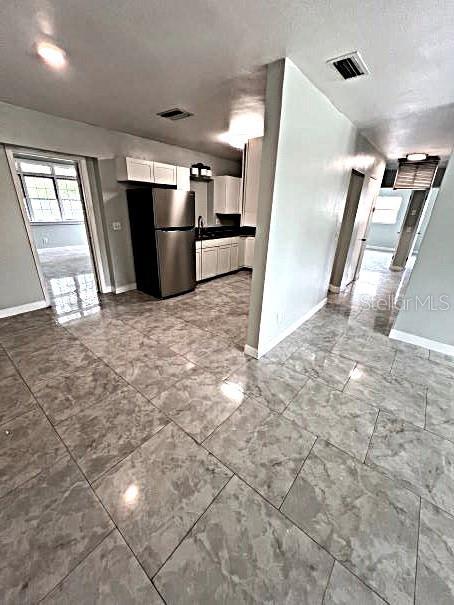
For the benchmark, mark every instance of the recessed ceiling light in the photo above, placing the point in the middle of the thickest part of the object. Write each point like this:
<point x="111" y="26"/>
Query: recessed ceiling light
<point x="51" y="54"/>
<point x="416" y="157"/>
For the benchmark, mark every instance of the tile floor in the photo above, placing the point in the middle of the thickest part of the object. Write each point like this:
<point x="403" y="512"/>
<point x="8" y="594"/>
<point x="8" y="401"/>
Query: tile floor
<point x="145" y="459"/>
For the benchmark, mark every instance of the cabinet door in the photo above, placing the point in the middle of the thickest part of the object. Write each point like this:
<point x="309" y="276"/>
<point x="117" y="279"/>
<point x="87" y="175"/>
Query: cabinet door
<point x="234" y="258"/>
<point x="251" y="181"/>
<point x="139" y="170"/>
<point x="183" y="178"/>
<point x="198" y="272"/>
<point x="209" y="262"/>
<point x="233" y="185"/>
<point x="219" y="194"/>
<point x="164" y="174"/>
<point x="223" y="260"/>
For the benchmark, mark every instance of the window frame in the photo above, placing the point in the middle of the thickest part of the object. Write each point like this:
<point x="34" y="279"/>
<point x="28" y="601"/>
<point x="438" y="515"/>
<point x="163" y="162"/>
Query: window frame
<point x="394" y="210"/>
<point x="54" y="178"/>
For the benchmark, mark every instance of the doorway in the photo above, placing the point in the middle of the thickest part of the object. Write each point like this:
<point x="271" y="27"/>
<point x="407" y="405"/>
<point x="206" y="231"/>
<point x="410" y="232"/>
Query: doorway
<point x="55" y="210"/>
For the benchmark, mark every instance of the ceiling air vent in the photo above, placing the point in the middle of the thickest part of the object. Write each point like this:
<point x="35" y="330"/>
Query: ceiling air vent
<point x="175" y="114"/>
<point x="349" y="66"/>
<point x="416" y="175"/>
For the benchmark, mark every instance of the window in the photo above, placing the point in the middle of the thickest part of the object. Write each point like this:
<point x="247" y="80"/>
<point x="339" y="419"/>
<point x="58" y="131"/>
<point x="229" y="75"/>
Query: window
<point x="51" y="190"/>
<point x="386" y="209"/>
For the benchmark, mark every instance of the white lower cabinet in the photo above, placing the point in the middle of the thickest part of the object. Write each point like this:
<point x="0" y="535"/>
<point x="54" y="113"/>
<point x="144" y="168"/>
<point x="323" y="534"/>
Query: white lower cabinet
<point x="249" y="245"/>
<point x="209" y="260"/>
<point x="220" y="256"/>
<point x="223" y="259"/>
<point x="234" y="257"/>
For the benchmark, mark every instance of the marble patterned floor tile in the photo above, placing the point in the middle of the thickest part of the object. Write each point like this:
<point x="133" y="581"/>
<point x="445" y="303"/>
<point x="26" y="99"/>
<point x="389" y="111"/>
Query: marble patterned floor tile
<point x="47" y="526"/>
<point x="199" y="403"/>
<point x="440" y="409"/>
<point x="366" y="521"/>
<point x="15" y="398"/>
<point x="222" y="361"/>
<point x="114" y="348"/>
<point x="60" y="360"/>
<point x="243" y="551"/>
<point x="153" y="376"/>
<point x="110" y="575"/>
<point x="420" y="460"/>
<point x="342" y="420"/>
<point x="422" y="371"/>
<point x="25" y="321"/>
<point x="391" y="393"/>
<point x="6" y="366"/>
<point x="270" y="383"/>
<point x="158" y="493"/>
<point x="104" y="433"/>
<point x="210" y="344"/>
<point x="366" y="351"/>
<point x="331" y="369"/>
<point x="64" y="396"/>
<point x="37" y="339"/>
<point x="263" y="448"/>
<point x="282" y="351"/>
<point x="345" y="589"/>
<point x="28" y="445"/>
<point x="435" y="577"/>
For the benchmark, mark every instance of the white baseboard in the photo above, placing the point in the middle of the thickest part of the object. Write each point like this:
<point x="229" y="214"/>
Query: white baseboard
<point x="263" y="350"/>
<point x="420" y="341"/>
<point x="125" y="288"/>
<point x="34" y="306"/>
<point x="251" y="351"/>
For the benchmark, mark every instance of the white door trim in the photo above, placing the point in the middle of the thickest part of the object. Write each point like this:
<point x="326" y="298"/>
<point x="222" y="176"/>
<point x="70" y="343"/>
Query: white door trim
<point x="92" y="228"/>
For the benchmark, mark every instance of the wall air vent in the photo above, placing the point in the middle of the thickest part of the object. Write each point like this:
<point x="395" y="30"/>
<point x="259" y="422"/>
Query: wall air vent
<point x="349" y="66"/>
<point x="416" y="175"/>
<point x="175" y="114"/>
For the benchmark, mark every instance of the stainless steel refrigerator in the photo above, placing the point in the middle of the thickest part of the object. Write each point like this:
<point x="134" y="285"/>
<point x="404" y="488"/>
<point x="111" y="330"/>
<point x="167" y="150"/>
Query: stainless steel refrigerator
<point x="163" y="240"/>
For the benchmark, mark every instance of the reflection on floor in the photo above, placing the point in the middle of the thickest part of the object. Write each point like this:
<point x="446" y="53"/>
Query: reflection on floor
<point x="71" y="281"/>
<point x="145" y="459"/>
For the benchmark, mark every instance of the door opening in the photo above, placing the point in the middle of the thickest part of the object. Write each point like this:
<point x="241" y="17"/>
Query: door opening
<point x="56" y="213"/>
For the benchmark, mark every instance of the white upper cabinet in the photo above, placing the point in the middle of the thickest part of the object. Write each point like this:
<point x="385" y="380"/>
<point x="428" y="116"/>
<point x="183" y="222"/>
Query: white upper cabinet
<point x="132" y="169"/>
<point x="227" y="195"/>
<point x="252" y="159"/>
<point x="147" y="171"/>
<point x="164" y="174"/>
<point x="183" y="178"/>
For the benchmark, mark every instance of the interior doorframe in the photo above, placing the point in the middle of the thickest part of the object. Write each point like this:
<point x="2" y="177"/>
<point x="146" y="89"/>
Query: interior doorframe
<point x="93" y="231"/>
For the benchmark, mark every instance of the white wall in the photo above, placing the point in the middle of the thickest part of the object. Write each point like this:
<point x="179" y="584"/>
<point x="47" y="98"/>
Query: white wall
<point x="432" y="278"/>
<point x="35" y="130"/>
<point x="309" y="150"/>
<point x="19" y="281"/>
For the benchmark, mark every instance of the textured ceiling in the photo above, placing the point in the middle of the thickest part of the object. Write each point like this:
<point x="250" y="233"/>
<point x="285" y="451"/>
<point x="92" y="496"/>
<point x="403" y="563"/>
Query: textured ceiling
<point x="131" y="59"/>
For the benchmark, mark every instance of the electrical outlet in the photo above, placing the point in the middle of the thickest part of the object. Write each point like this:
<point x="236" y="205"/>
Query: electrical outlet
<point x="116" y="226"/>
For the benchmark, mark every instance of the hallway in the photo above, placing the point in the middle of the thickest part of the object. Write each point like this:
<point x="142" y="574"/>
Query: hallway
<point x="144" y="458"/>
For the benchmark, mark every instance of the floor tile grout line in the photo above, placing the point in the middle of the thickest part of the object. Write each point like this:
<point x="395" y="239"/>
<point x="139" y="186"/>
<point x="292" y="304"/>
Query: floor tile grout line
<point x="187" y="534"/>
<point x="417" y="550"/>
<point x="298" y="474"/>
<point x="371" y="436"/>
<point x="328" y="582"/>
<point x="73" y="569"/>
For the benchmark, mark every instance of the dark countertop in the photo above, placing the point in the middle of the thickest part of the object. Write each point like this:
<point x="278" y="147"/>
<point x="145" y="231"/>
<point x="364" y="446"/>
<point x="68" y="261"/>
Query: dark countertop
<point x="220" y="232"/>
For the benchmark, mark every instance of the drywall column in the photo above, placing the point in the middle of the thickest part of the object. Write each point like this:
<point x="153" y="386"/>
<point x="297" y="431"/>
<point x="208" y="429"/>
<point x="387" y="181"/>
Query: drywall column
<point x="20" y="288"/>
<point x="427" y="317"/>
<point x="408" y="230"/>
<point x="309" y="150"/>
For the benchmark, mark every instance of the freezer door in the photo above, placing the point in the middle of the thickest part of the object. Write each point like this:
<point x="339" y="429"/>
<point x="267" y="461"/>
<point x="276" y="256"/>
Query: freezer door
<point x="176" y="261"/>
<point x="173" y="208"/>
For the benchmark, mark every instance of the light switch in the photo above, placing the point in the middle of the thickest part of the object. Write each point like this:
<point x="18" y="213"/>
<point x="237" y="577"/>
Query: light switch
<point x="116" y="226"/>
